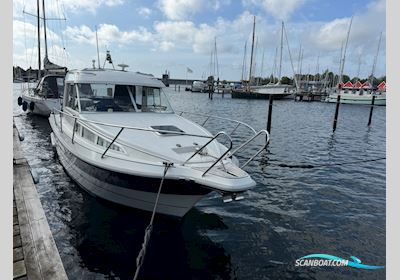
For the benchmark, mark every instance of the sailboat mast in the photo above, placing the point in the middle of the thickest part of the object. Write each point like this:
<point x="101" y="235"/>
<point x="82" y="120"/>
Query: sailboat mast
<point x="359" y="68"/>
<point x="97" y="46"/>
<point x="298" y="62"/>
<point x="244" y="60"/>
<point x="291" y="60"/>
<point x="375" y="60"/>
<point x="274" y="66"/>
<point x="216" y="56"/>
<point x="252" y="49"/>
<point x="262" y="66"/>
<point x="280" y="59"/>
<point x="38" y="32"/>
<point x="344" y="54"/>
<point x="44" y="27"/>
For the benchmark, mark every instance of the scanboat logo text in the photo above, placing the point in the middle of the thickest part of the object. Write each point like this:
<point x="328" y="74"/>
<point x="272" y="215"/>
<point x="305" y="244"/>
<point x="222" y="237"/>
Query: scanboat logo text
<point x="329" y="260"/>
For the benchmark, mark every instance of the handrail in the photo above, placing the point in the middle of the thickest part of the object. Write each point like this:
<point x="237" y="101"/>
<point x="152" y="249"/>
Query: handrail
<point x="263" y="131"/>
<point x="135" y="128"/>
<point x="221" y="118"/>
<point x="80" y="120"/>
<point x="211" y="137"/>
<point x="206" y="144"/>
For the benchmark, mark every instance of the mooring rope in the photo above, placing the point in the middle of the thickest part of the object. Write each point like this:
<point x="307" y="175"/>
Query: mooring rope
<point x="149" y="228"/>
<point x="310" y="166"/>
<point x="328" y="164"/>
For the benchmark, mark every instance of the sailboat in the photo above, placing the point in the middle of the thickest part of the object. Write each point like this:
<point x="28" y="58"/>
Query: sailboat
<point x="263" y="92"/>
<point x="48" y="92"/>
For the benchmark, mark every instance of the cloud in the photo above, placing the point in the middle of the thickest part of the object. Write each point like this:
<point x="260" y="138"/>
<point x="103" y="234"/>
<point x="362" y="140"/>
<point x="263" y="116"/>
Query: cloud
<point x="184" y="9"/>
<point x="56" y="7"/>
<point x="107" y="34"/>
<point x="165" y="46"/>
<point x="144" y="12"/>
<point x="181" y="31"/>
<point x="25" y="51"/>
<point x="180" y="9"/>
<point x="366" y="26"/>
<point x="280" y="9"/>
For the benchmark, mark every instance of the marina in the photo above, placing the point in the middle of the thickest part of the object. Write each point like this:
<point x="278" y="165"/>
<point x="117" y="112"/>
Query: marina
<point x="178" y="140"/>
<point x="325" y="207"/>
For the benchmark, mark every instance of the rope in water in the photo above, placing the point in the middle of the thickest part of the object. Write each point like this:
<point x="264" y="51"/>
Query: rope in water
<point x="149" y="228"/>
<point x="309" y="166"/>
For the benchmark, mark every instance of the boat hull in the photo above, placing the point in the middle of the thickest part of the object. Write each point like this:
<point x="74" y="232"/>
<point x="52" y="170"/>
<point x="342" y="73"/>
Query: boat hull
<point x="256" y="95"/>
<point x="357" y="99"/>
<point x="41" y="106"/>
<point x="176" y="199"/>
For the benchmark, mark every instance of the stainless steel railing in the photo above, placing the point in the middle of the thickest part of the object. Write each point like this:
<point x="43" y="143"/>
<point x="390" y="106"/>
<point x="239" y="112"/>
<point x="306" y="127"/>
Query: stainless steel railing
<point x="212" y="138"/>
<point x="222" y="157"/>
<point x="238" y="123"/>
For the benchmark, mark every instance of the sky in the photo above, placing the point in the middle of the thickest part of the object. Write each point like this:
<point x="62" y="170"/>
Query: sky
<point x="177" y="35"/>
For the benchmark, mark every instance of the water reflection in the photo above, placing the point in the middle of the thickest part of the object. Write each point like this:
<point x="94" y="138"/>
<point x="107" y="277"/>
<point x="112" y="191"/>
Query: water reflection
<point x="291" y="212"/>
<point x="109" y="237"/>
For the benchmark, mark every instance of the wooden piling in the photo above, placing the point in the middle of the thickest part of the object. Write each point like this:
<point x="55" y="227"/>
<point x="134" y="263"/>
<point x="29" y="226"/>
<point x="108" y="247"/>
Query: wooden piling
<point x="336" y="112"/>
<point x="372" y="109"/>
<point x="269" y="120"/>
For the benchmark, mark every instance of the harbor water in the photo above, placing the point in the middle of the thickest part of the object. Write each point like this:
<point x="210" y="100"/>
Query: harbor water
<point x="317" y="192"/>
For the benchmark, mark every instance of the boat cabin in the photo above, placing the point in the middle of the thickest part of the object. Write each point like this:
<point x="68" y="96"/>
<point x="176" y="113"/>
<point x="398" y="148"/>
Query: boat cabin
<point x="51" y="86"/>
<point x="100" y="90"/>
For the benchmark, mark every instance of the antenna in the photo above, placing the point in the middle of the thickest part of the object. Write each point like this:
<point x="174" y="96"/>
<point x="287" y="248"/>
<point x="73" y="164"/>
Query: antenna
<point x="109" y="59"/>
<point x="97" y="45"/>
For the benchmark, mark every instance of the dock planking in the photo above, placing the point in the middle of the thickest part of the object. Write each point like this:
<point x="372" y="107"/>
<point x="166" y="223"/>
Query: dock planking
<point x="35" y="254"/>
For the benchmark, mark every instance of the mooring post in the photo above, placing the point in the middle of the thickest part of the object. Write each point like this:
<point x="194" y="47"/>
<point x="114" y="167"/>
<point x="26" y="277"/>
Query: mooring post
<point x="372" y="109"/>
<point x="175" y="87"/>
<point x="269" y="120"/>
<point x="336" y="112"/>
<point x="179" y="88"/>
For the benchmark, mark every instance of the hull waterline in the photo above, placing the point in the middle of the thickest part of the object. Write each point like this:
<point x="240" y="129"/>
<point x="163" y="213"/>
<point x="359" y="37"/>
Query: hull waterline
<point x="176" y="199"/>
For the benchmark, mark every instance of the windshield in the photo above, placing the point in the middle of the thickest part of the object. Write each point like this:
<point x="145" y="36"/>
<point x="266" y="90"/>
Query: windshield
<point x="121" y="98"/>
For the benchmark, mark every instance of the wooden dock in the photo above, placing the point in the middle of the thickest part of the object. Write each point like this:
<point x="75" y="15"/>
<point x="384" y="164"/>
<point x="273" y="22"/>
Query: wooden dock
<point x="35" y="254"/>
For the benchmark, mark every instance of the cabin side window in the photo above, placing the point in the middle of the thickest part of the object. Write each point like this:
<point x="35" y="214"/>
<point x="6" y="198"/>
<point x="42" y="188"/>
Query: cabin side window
<point x="71" y="98"/>
<point x="152" y="99"/>
<point x="87" y="134"/>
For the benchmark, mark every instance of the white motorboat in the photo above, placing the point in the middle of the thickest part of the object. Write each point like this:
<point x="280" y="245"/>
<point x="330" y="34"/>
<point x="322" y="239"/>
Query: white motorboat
<point x="198" y="86"/>
<point x="357" y="97"/>
<point x="117" y="134"/>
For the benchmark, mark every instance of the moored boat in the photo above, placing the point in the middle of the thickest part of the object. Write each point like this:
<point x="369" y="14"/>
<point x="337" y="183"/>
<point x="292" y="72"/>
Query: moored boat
<point x="357" y="94"/>
<point x="117" y="136"/>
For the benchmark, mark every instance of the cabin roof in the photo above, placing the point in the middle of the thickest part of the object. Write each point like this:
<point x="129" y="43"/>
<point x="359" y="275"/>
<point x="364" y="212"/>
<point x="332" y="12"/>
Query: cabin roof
<point x="112" y="77"/>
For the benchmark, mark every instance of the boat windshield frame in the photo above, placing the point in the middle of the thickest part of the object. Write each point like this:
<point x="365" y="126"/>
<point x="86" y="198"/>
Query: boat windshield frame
<point x="94" y="97"/>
